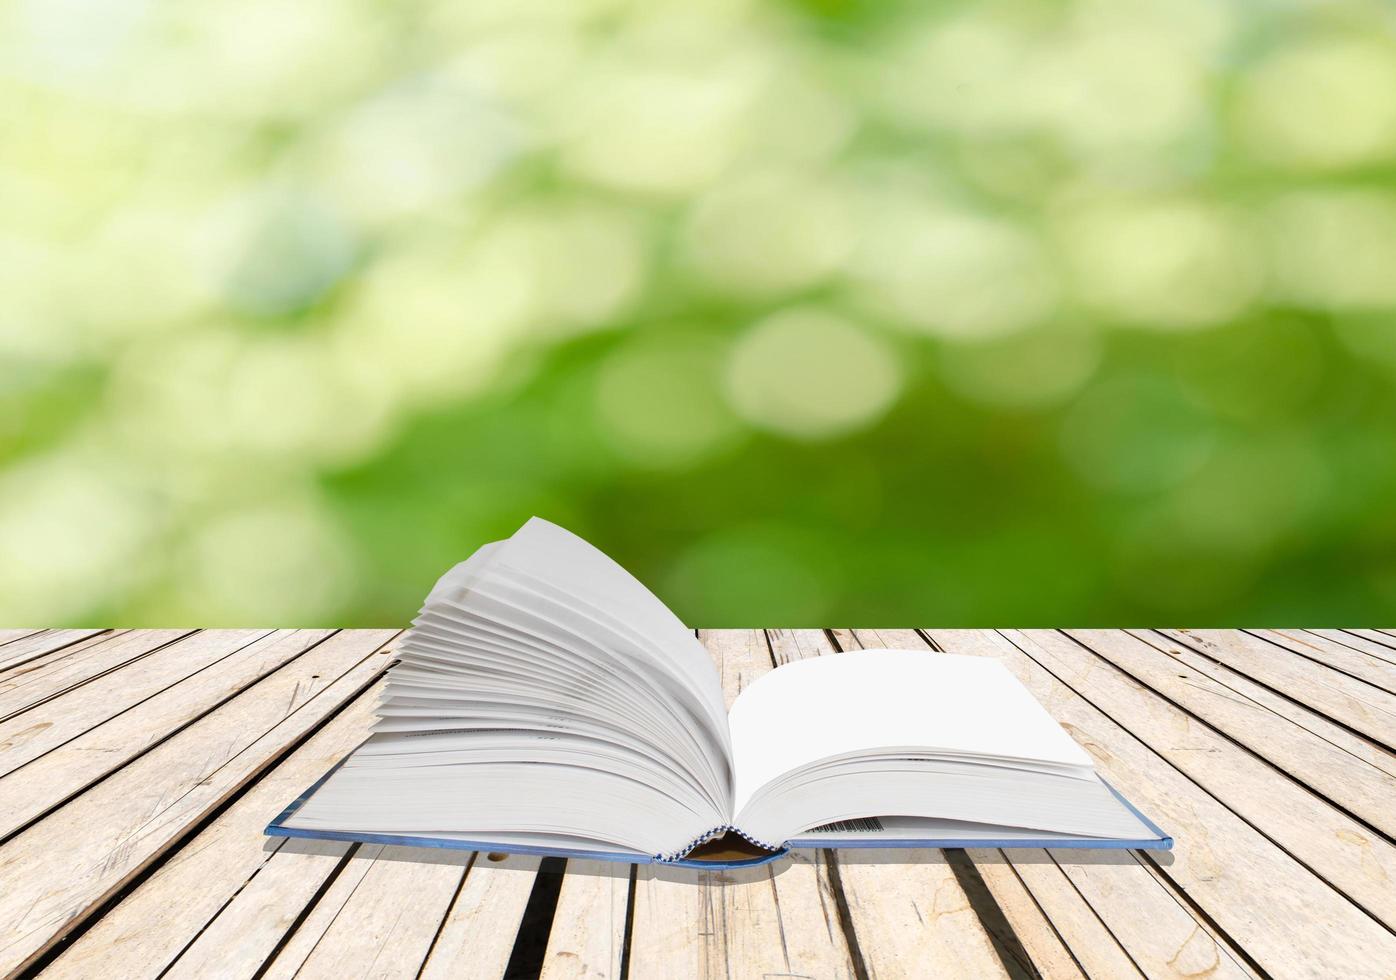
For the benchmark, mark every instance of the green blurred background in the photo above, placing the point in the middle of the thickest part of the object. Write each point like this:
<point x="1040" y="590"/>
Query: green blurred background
<point x="983" y="313"/>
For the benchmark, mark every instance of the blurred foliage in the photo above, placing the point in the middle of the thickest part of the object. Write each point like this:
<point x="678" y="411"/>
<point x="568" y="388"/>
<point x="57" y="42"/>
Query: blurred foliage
<point x="993" y="312"/>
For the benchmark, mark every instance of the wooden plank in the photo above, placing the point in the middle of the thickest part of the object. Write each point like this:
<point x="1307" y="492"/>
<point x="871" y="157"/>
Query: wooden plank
<point x="482" y="925"/>
<point x="588" y="933"/>
<point x="475" y="934"/>
<point x="1161" y="936"/>
<point x="1153" y="867"/>
<point x="1345" y="699"/>
<point x="19" y="652"/>
<point x="30" y="733"/>
<point x="221" y="903"/>
<point x="845" y="639"/>
<point x="732" y="923"/>
<point x="465" y="912"/>
<point x="790" y="645"/>
<point x="778" y="919"/>
<point x="1091" y="942"/>
<point x="1261" y="898"/>
<point x="302" y="941"/>
<point x="1374" y="643"/>
<point x="65" y="865"/>
<point x="741" y="657"/>
<point x="1153" y="932"/>
<point x="887" y="639"/>
<point x="263" y="908"/>
<point x="386" y="926"/>
<point x="9" y="636"/>
<point x="1360" y="787"/>
<point x="1346" y="853"/>
<point x="1306" y="718"/>
<point x="40" y="680"/>
<point x="464" y="924"/>
<point x="45" y="782"/>
<point x="907" y="908"/>
<point x="1038" y="935"/>
<point x="1331" y="653"/>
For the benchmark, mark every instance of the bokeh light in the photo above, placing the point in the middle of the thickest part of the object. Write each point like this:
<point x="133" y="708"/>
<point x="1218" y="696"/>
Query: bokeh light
<point x="1320" y="103"/>
<point x="1164" y="264"/>
<point x="659" y="400"/>
<point x="809" y="313"/>
<point x="809" y="374"/>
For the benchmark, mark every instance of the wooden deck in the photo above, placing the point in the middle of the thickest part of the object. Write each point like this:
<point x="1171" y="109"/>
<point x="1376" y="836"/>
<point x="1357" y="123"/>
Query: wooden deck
<point x="138" y="768"/>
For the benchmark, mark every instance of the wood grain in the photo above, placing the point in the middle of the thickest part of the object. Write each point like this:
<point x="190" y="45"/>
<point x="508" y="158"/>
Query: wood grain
<point x="1364" y="788"/>
<point x="64" y="669"/>
<point x="29" y="646"/>
<point x="1351" y="742"/>
<point x="1374" y="643"/>
<point x="78" y="856"/>
<point x="1342" y="657"/>
<point x="1155" y="934"/>
<point x="1220" y="862"/>
<point x="1353" y="702"/>
<point x="587" y="939"/>
<point x="131" y="843"/>
<point x="478" y="933"/>
<point x="224" y="901"/>
<point x="44" y="782"/>
<point x="93" y="701"/>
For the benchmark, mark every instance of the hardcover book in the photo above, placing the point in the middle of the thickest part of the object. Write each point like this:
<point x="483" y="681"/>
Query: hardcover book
<point x="545" y="702"/>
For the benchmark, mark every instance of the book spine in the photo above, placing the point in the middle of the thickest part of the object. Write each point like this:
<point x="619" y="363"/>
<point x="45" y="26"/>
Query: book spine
<point x="713" y="834"/>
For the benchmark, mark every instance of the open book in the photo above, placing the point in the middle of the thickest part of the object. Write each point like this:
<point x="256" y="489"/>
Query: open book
<point x="546" y="702"/>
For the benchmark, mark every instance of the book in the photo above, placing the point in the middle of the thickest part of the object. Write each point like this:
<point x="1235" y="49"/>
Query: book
<point x="545" y="702"/>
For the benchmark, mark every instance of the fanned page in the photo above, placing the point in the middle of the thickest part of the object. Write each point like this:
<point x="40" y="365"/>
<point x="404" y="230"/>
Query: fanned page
<point x="544" y="698"/>
<point x="954" y="740"/>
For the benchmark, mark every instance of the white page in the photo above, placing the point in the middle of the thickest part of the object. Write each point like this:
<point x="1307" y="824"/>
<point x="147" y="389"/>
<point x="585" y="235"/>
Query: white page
<point x="697" y="726"/>
<point x="873" y="700"/>
<point x="930" y="828"/>
<point x="557" y="560"/>
<point x="462" y="574"/>
<point x="478" y="801"/>
<point x="552" y="554"/>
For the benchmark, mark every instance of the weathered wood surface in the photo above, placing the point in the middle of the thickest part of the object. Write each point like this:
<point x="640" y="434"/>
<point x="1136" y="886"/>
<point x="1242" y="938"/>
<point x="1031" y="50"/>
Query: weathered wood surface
<point x="138" y="767"/>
